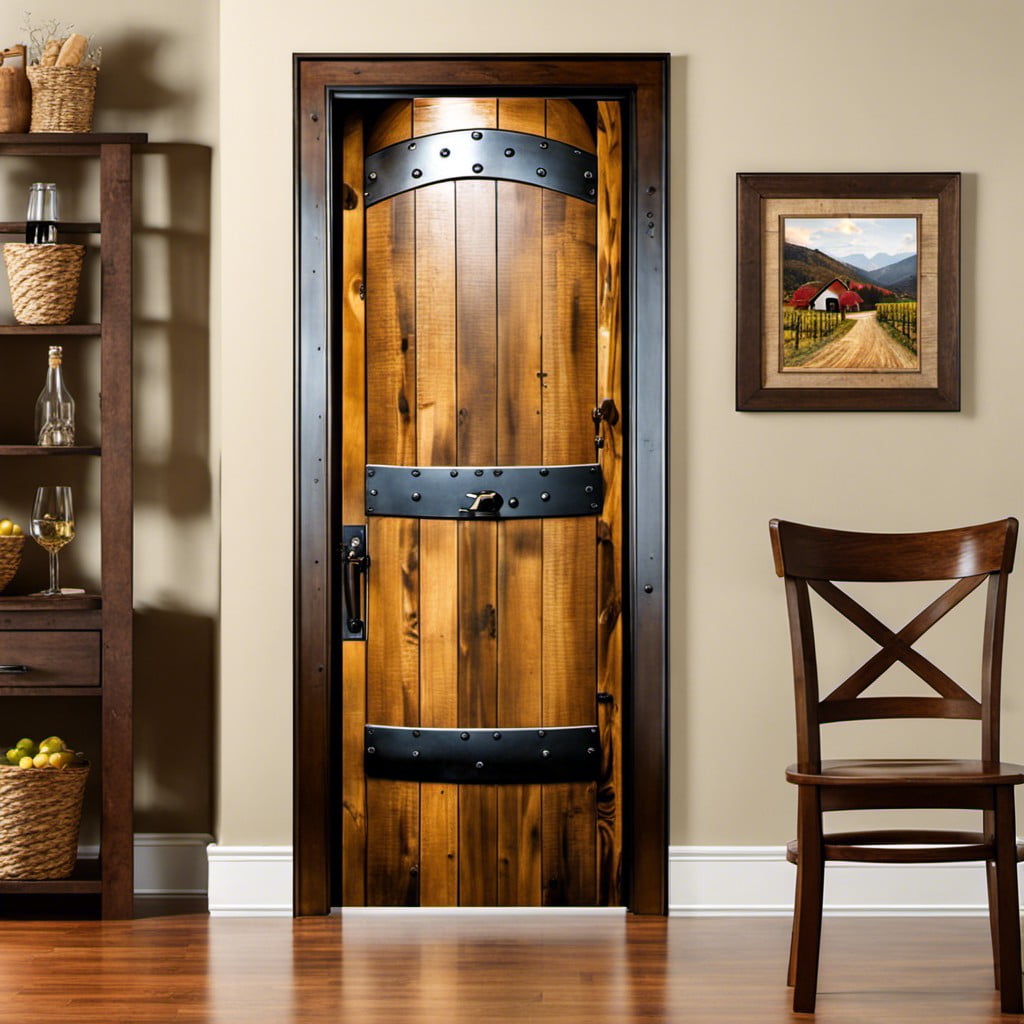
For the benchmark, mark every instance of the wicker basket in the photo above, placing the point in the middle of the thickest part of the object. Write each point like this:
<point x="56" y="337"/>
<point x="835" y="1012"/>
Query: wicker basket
<point x="62" y="98"/>
<point x="10" y="558"/>
<point x="40" y="811"/>
<point x="44" y="281"/>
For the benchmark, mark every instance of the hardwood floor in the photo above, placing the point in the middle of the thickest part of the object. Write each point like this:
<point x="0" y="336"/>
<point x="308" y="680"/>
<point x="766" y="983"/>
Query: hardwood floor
<point x="390" y="969"/>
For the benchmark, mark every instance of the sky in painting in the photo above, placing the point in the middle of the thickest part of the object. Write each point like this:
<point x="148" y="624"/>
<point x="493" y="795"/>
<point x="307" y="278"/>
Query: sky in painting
<point x="840" y="237"/>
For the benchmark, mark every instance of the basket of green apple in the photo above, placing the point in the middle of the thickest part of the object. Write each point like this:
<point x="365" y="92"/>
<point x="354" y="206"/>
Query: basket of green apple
<point x="42" y="786"/>
<point x="12" y="540"/>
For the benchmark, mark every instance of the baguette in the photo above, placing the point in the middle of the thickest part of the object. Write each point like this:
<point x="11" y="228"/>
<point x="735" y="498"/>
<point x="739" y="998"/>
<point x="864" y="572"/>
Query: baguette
<point x="73" y="50"/>
<point x="50" y="52"/>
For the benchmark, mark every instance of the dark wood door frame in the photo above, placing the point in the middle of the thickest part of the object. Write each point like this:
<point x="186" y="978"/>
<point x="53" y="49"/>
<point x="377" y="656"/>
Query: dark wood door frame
<point x="640" y="82"/>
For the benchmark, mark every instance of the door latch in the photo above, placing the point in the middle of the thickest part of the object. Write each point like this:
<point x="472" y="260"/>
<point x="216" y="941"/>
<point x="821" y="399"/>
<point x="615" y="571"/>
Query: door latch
<point x="355" y="567"/>
<point x="484" y="503"/>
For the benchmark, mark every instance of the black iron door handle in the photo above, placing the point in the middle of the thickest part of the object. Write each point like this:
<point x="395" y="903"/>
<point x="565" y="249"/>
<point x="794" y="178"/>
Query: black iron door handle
<point x="484" y="503"/>
<point x="357" y="561"/>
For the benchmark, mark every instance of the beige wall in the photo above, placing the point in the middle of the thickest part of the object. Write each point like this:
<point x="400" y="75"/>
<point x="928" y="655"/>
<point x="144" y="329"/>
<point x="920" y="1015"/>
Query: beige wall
<point x="921" y="87"/>
<point x="919" y="90"/>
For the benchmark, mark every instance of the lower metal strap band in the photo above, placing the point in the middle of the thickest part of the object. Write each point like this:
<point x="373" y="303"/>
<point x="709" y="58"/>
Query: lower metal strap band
<point x="486" y="756"/>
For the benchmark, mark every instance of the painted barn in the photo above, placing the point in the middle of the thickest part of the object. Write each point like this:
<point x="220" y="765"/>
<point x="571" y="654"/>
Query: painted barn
<point x="827" y="298"/>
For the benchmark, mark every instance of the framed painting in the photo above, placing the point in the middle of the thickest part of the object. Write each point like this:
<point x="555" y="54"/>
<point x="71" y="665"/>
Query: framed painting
<point x="848" y="292"/>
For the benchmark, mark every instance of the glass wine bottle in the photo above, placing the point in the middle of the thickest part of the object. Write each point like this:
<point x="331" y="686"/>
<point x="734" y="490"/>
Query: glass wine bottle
<point x="55" y="408"/>
<point x="41" y="222"/>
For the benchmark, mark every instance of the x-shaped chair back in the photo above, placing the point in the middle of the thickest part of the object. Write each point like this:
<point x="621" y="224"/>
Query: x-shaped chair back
<point x="811" y="558"/>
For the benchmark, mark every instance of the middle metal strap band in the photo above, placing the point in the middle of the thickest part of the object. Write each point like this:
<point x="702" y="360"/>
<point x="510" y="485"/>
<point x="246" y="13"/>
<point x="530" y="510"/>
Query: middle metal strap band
<point x="478" y="492"/>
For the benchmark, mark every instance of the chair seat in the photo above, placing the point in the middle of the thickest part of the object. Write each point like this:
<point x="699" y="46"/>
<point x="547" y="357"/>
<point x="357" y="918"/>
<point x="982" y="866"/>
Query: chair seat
<point x="904" y="846"/>
<point x="908" y="772"/>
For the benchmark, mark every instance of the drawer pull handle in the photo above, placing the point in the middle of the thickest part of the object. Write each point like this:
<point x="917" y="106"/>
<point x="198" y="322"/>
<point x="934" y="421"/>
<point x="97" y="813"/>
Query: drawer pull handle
<point x="13" y="669"/>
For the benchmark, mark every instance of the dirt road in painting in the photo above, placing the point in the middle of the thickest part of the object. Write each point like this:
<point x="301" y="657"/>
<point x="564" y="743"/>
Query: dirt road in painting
<point x="867" y="346"/>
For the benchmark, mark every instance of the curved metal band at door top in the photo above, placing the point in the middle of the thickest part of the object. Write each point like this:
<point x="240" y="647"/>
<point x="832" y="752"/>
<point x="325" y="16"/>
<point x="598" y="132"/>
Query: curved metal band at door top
<point x="480" y="153"/>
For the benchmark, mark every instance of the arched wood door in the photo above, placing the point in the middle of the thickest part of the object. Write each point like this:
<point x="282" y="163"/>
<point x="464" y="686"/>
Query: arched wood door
<point x="482" y="662"/>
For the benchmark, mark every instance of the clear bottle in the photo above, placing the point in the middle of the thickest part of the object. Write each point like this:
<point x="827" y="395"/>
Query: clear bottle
<point x="55" y="408"/>
<point x="43" y="214"/>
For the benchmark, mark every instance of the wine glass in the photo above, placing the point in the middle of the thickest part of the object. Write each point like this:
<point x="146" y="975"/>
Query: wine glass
<point x="53" y="526"/>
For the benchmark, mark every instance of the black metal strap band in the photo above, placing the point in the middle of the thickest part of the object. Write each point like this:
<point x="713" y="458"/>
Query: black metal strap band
<point x="480" y="153"/>
<point x="478" y="492"/>
<point x="491" y="756"/>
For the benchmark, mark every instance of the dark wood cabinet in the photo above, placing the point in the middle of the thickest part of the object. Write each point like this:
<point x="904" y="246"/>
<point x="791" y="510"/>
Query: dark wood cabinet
<point x="81" y="646"/>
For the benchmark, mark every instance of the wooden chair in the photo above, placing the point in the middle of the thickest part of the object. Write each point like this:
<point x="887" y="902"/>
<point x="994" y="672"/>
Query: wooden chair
<point x="810" y="558"/>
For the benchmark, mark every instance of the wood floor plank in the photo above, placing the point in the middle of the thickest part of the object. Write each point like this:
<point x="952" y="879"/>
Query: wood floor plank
<point x="421" y="968"/>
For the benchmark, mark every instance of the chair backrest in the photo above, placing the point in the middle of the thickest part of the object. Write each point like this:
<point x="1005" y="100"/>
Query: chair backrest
<point x="812" y="558"/>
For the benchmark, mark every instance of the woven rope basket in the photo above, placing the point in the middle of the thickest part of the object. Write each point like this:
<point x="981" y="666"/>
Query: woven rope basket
<point x="62" y="98"/>
<point x="44" y="281"/>
<point x="40" y="811"/>
<point x="10" y="558"/>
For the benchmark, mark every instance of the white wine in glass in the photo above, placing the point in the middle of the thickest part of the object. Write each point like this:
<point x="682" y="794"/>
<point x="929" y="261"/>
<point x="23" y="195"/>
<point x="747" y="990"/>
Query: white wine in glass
<point x="53" y="526"/>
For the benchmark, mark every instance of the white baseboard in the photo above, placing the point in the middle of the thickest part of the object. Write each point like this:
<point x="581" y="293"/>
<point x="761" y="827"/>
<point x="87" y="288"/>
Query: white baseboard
<point x="167" y="864"/>
<point x="250" y="881"/>
<point x="703" y="881"/>
<point x="757" y="881"/>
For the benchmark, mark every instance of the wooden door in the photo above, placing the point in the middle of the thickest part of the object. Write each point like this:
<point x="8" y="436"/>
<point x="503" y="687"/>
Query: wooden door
<point x="481" y="332"/>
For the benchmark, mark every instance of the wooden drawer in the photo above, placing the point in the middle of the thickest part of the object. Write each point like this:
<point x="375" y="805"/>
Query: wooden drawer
<point x="49" y="658"/>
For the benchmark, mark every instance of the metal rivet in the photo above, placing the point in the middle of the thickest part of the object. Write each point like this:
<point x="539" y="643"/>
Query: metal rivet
<point x="371" y="472"/>
<point x="510" y="152"/>
<point x="464" y="735"/>
<point x="513" y="502"/>
<point x="648" y="589"/>
<point x="541" y="173"/>
<point x="545" y="753"/>
<point x="589" y="488"/>
<point x="371" y="750"/>
<point x="417" y="173"/>
<point x="415" y="472"/>
<point x="590" y="750"/>
<point x="478" y="135"/>
<point x="372" y="175"/>
<point x="593" y="469"/>
<point x="415" y="495"/>
<point x="577" y="152"/>
<point x="366" y="195"/>
<point x="416" y="753"/>
<point x="498" y="472"/>
<point x="545" y="496"/>
<point x="593" y="505"/>
<point x="412" y="145"/>
<point x="478" y="472"/>
<point x="593" y="731"/>
<point x="373" y="493"/>
<point x="591" y="191"/>
<point x="496" y="735"/>
<point x="453" y="472"/>
<point x="477" y="168"/>
<point x="588" y="175"/>
<point x="544" y="472"/>
<point x="369" y="732"/>
<point x="541" y="733"/>
<point x="446" y="152"/>
<point x="543" y="145"/>
<point x="650" y="215"/>
<point x="369" y="508"/>
<point x="479" y="764"/>
<point x="415" y="732"/>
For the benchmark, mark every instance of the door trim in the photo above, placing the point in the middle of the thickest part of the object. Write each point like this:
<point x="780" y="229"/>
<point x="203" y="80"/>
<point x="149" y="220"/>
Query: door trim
<point x="640" y="82"/>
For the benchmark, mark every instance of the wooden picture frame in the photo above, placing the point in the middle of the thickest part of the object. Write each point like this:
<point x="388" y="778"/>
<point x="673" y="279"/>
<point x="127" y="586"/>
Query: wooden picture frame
<point x="879" y="333"/>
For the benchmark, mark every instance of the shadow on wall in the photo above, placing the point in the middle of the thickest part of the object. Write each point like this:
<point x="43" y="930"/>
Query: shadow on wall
<point x="173" y="721"/>
<point x="176" y="521"/>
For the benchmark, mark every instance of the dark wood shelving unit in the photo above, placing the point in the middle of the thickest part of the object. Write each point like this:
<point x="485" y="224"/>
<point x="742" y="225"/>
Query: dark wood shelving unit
<point x="54" y="626"/>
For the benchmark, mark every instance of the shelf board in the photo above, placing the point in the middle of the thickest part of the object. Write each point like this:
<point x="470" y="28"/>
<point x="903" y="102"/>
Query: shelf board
<point x="29" y="329"/>
<point x="43" y="603"/>
<point x="85" y="878"/>
<point x="72" y="138"/>
<point x="35" y="449"/>
<point x="85" y="227"/>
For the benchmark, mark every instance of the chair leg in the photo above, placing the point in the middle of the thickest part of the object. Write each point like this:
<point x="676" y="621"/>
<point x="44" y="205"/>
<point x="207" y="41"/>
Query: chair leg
<point x="791" y="972"/>
<point x="810" y="874"/>
<point x="989" y="820"/>
<point x="1011" y="996"/>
